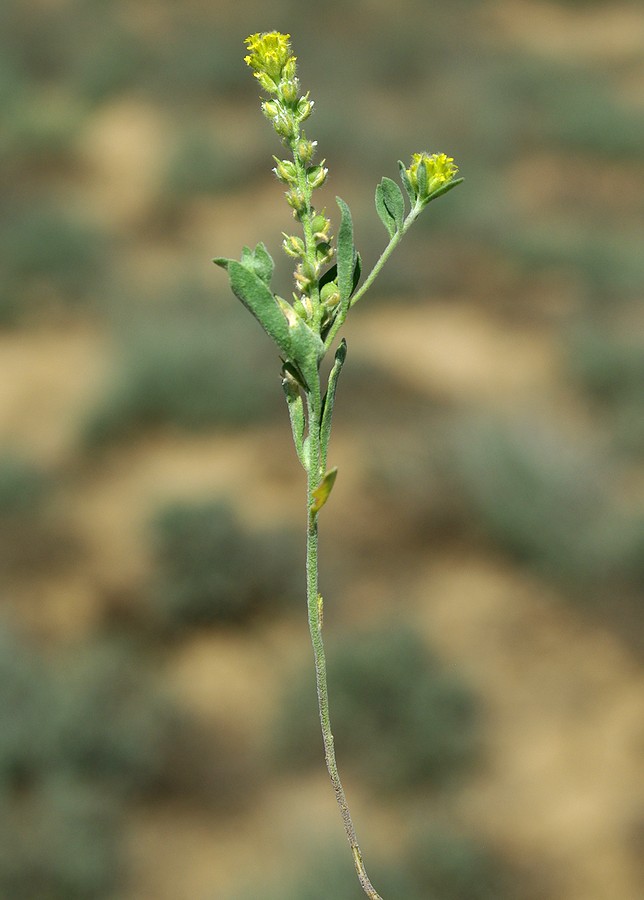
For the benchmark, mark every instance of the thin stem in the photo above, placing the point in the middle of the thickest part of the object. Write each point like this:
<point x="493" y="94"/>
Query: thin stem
<point x="369" y="280"/>
<point x="314" y="605"/>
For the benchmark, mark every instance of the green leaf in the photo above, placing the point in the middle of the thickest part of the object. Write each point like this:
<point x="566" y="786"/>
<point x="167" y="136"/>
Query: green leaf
<point x="393" y="200"/>
<point x="444" y="188"/>
<point x="322" y="492"/>
<point x="264" y="264"/>
<point x="421" y="175"/>
<point x="357" y="272"/>
<point x="291" y="387"/>
<point x="259" y="261"/>
<point x="330" y="275"/>
<point x="259" y="300"/>
<point x="329" y="398"/>
<point x="385" y="216"/>
<point x="404" y="177"/>
<point x="306" y="348"/>
<point x="345" y="253"/>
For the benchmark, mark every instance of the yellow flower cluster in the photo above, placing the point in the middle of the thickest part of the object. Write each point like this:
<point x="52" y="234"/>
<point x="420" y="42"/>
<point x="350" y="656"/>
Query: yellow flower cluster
<point x="270" y="58"/>
<point x="439" y="169"/>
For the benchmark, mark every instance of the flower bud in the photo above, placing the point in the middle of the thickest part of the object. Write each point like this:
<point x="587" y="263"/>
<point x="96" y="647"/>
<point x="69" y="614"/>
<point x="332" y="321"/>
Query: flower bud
<point x="296" y="200"/>
<point x="305" y="150"/>
<point x="304" y="277"/>
<point x="323" y="253"/>
<point x="321" y="226"/>
<point x="288" y="91"/>
<point x="293" y="246"/>
<point x="285" y="170"/>
<point x="270" y="109"/>
<point x="283" y="124"/>
<point x="290" y="67"/>
<point x="316" y="175"/>
<point x="304" y="108"/>
<point x="330" y="295"/>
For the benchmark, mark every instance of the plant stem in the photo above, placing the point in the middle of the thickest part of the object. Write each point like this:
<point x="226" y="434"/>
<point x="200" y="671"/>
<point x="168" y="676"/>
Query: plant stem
<point x="369" y="280"/>
<point x="314" y="605"/>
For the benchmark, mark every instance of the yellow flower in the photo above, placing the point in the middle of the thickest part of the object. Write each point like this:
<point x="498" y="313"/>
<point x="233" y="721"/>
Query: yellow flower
<point x="439" y="169"/>
<point x="270" y="58"/>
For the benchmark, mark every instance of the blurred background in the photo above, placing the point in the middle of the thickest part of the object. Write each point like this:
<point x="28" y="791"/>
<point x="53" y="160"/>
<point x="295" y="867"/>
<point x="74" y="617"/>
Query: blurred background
<point x="483" y="556"/>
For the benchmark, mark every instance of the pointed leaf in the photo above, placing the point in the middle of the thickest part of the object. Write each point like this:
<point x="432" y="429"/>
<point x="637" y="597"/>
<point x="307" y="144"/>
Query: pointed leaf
<point x="357" y="271"/>
<point x="291" y="389"/>
<point x="421" y="175"/>
<point x="385" y="216"/>
<point x="404" y="177"/>
<point x="346" y="252"/>
<point x="221" y="261"/>
<point x="322" y="492"/>
<point x="393" y="200"/>
<point x="444" y="188"/>
<point x="263" y="263"/>
<point x="330" y="275"/>
<point x="306" y="348"/>
<point x="259" y="299"/>
<point x="329" y="398"/>
<point x="259" y="261"/>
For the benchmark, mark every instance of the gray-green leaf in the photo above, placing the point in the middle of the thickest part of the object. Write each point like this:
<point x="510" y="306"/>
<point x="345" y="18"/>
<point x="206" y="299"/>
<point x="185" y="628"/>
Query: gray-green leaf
<point x="404" y="177"/>
<point x="385" y="216"/>
<point x="345" y="253"/>
<point x="260" y="261"/>
<point x="257" y="297"/>
<point x="393" y="200"/>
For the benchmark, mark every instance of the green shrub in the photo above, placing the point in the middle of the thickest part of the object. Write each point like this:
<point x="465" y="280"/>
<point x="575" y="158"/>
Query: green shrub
<point x="33" y="534"/>
<point x="23" y="487"/>
<point x="61" y="842"/>
<point x="399" y="716"/>
<point x="540" y="496"/>
<point x="201" y="164"/>
<point x="109" y="723"/>
<point x="26" y="697"/>
<point x="438" y="864"/>
<point x="209" y="569"/>
<point x="182" y="367"/>
<point x="82" y="734"/>
<point x="46" y="256"/>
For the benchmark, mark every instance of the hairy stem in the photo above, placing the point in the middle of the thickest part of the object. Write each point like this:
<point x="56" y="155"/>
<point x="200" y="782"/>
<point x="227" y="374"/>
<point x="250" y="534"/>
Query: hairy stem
<point x="314" y="605"/>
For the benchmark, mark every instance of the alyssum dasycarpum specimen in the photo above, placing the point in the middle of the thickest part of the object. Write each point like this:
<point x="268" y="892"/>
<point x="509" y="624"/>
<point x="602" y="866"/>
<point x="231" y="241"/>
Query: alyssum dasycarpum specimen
<point x="327" y="285"/>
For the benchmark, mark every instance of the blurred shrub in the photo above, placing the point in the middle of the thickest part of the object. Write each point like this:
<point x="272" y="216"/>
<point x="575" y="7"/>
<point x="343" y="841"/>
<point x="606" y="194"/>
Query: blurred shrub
<point x="609" y="265"/>
<point x="33" y="534"/>
<point x="93" y="715"/>
<point x="397" y="714"/>
<point x="438" y="864"/>
<point x="447" y="866"/>
<point x="82" y="735"/>
<point x="612" y="370"/>
<point x="47" y="258"/>
<point x="26" y="697"/>
<point x="535" y="493"/>
<point x="188" y="367"/>
<point x="23" y="488"/>
<point x="61" y="842"/>
<point x="201" y="164"/>
<point x="209" y="569"/>
<point x="201" y="61"/>
<point x="110" y="723"/>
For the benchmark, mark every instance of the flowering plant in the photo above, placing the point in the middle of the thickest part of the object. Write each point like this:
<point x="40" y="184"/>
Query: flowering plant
<point x="327" y="285"/>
